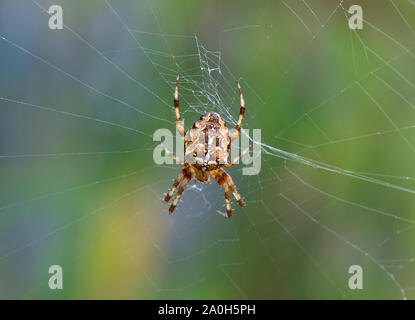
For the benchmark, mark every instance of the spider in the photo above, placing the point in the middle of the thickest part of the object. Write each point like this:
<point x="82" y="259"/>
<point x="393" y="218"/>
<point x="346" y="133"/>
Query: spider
<point x="207" y="147"/>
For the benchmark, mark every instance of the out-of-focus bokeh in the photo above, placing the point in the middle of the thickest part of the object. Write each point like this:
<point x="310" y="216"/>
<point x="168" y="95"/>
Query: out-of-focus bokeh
<point x="80" y="189"/>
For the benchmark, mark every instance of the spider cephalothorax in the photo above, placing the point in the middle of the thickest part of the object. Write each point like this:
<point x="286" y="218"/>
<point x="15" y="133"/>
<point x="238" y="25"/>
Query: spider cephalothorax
<point x="207" y="147"/>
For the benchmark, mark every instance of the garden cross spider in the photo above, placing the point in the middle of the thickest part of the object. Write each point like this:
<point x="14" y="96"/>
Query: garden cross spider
<point x="207" y="147"/>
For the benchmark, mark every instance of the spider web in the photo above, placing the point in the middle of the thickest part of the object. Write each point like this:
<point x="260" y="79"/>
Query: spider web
<point x="79" y="107"/>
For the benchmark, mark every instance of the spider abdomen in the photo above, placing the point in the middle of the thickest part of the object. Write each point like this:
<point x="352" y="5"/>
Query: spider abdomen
<point x="207" y="143"/>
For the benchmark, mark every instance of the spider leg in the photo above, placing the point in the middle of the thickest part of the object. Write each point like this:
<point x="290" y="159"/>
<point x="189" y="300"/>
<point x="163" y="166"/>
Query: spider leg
<point x="228" y="201"/>
<point x="231" y="184"/>
<point x="175" y="184"/>
<point x="186" y="179"/>
<point x="230" y="164"/>
<point x="176" y="108"/>
<point x="241" y="115"/>
<point x="170" y="154"/>
<point x="222" y="182"/>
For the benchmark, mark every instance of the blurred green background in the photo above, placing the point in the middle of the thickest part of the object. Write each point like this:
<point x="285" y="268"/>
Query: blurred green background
<point x="79" y="187"/>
